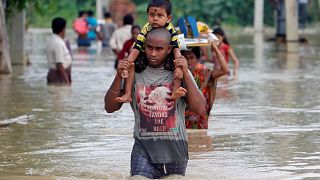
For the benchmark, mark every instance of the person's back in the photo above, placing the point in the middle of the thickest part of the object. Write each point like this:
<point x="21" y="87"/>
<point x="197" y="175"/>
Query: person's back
<point x="107" y="29"/>
<point x="80" y="25"/>
<point x="128" y="45"/>
<point x="122" y="34"/>
<point x="92" y="22"/>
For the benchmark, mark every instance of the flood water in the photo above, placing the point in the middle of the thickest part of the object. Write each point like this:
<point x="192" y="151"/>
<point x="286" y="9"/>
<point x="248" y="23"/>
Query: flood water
<point x="264" y="125"/>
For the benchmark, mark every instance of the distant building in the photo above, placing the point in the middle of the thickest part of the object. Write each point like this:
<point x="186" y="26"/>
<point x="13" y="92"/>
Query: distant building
<point x="119" y="8"/>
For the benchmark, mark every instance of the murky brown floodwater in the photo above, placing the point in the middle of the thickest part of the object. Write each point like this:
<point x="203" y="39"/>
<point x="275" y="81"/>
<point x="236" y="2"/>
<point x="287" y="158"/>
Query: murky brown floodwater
<point x="264" y="125"/>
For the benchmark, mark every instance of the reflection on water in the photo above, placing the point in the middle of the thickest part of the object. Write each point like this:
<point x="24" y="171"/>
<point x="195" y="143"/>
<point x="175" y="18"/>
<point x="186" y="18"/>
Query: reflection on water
<point x="199" y="140"/>
<point x="264" y="125"/>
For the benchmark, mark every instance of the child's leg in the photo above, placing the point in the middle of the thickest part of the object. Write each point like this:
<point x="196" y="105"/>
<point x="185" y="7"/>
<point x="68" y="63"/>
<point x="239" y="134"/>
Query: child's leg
<point x="177" y="81"/>
<point x="128" y="87"/>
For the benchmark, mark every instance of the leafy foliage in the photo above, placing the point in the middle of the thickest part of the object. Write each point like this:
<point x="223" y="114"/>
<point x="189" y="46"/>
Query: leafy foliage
<point x="66" y="9"/>
<point x="40" y="12"/>
<point x="233" y="12"/>
<point x="18" y="5"/>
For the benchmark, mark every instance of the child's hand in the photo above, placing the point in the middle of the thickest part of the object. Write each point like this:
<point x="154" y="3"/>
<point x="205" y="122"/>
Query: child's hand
<point x="123" y="66"/>
<point x="178" y="74"/>
<point x="124" y="74"/>
<point x="181" y="62"/>
<point x="179" y="93"/>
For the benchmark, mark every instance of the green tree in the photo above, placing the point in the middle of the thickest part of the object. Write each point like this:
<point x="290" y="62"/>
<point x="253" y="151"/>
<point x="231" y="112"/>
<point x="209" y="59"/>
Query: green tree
<point x="7" y="9"/>
<point x="233" y="12"/>
<point x="230" y="12"/>
<point x="66" y="9"/>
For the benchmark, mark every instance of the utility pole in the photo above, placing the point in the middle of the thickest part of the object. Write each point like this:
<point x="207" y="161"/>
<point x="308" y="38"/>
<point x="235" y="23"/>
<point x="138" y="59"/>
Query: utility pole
<point x="99" y="9"/>
<point x="258" y="15"/>
<point x="292" y="33"/>
<point x="101" y="6"/>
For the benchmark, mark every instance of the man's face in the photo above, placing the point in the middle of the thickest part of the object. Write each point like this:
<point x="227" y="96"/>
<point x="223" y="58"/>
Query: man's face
<point x="157" y="50"/>
<point x="157" y="17"/>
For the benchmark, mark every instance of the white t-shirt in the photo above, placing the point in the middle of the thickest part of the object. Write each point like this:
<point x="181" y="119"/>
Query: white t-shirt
<point x="57" y="52"/>
<point x="120" y="36"/>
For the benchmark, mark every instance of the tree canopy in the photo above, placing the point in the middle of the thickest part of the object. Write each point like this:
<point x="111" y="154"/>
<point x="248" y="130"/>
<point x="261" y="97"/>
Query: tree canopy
<point x="40" y="12"/>
<point x="232" y="12"/>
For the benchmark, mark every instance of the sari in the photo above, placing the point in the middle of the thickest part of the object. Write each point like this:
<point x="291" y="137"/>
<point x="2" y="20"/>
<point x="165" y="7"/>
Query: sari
<point x="207" y="85"/>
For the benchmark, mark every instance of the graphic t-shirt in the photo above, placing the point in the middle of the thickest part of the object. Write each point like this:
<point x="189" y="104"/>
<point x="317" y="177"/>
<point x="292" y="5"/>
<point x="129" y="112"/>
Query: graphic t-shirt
<point x="159" y="121"/>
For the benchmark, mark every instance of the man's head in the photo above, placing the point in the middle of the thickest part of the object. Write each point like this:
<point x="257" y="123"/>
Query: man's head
<point x="157" y="46"/>
<point x="192" y="56"/>
<point x="82" y="14"/>
<point x="107" y="15"/>
<point x="159" y="12"/>
<point x="90" y="13"/>
<point x="128" y="19"/>
<point x="58" y="26"/>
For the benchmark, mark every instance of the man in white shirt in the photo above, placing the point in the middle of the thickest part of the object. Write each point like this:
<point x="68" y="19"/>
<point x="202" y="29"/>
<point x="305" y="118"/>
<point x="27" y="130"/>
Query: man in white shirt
<point x="58" y="55"/>
<point x="121" y="35"/>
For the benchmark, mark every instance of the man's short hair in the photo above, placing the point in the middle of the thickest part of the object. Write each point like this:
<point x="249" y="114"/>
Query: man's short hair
<point x="166" y="4"/>
<point x="81" y="13"/>
<point x="128" y="19"/>
<point x="58" y="24"/>
<point x="160" y="32"/>
<point x="90" y="13"/>
<point x="107" y="15"/>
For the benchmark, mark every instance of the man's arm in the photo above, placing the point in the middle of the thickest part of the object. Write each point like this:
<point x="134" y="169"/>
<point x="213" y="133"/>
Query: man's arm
<point x="114" y="91"/>
<point x="195" y="99"/>
<point x="62" y="73"/>
<point x="110" y="104"/>
<point x="58" y="58"/>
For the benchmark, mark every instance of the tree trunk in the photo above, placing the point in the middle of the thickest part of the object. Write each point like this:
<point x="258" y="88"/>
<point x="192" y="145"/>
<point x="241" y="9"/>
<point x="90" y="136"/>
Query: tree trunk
<point x="5" y="61"/>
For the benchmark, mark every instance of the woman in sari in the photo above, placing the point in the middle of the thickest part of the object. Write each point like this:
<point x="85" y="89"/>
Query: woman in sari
<point x="206" y="80"/>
